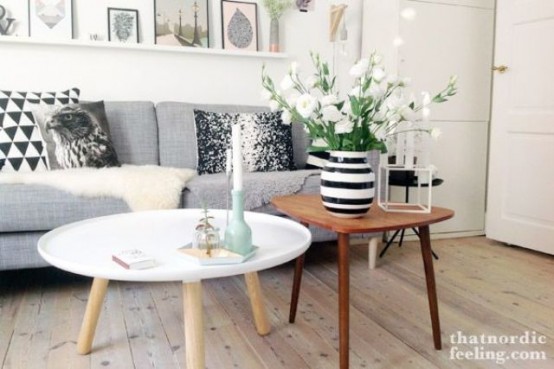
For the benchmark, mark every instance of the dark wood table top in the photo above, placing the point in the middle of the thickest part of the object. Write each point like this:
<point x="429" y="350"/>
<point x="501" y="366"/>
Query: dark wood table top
<point x="309" y="209"/>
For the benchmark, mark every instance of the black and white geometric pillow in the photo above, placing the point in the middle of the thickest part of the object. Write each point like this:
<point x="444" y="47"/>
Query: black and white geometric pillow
<point x="21" y="144"/>
<point x="266" y="141"/>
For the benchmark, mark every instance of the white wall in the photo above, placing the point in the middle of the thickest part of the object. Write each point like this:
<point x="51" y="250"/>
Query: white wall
<point x="148" y="74"/>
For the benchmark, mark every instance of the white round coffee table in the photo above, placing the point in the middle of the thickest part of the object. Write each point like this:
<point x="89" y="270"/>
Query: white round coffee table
<point x="86" y="248"/>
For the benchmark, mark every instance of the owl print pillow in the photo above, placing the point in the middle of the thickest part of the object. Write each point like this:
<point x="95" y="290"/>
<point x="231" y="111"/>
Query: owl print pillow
<point x="76" y="136"/>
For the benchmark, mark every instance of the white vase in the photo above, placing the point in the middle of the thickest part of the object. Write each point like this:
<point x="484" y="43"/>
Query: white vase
<point x="347" y="184"/>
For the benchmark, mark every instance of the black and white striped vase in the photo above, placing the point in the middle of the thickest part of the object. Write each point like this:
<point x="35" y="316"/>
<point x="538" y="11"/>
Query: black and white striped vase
<point x="347" y="184"/>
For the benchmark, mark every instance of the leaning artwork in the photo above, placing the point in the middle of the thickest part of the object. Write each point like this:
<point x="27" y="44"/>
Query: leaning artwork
<point x="182" y="23"/>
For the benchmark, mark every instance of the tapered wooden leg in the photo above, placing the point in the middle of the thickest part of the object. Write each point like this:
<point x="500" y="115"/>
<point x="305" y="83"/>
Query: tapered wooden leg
<point x="372" y="257"/>
<point x="92" y="312"/>
<point x="298" y="268"/>
<point x="194" y="325"/>
<point x="257" y="302"/>
<point x="344" y="299"/>
<point x="426" y="253"/>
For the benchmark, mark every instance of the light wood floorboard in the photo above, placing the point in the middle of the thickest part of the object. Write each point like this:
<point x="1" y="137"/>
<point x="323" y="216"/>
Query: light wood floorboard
<point x="484" y="287"/>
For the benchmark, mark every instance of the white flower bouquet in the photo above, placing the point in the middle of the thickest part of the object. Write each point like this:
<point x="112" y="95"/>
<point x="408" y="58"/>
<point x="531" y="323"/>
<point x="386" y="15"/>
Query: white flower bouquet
<point x="376" y="108"/>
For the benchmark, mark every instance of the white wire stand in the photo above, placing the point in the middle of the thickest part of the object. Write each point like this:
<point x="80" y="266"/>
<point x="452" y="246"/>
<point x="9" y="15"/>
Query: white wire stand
<point x="422" y="203"/>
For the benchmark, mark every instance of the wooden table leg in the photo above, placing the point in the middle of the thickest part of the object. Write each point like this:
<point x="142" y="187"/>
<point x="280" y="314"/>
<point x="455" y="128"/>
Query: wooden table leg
<point x="344" y="299"/>
<point x="427" y="256"/>
<point x="257" y="302"/>
<point x="194" y="325"/>
<point x="298" y="268"/>
<point x="372" y="255"/>
<point x="92" y="312"/>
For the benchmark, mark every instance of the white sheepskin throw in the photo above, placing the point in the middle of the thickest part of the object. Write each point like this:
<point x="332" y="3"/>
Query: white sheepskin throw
<point x="144" y="187"/>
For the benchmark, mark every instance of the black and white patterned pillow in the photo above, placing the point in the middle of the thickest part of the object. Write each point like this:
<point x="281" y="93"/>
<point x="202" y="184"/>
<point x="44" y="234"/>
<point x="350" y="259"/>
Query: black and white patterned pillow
<point x="266" y="141"/>
<point x="21" y="144"/>
<point x="76" y="135"/>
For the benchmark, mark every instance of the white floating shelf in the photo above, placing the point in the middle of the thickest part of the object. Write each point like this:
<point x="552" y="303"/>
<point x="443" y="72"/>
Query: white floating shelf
<point x="141" y="47"/>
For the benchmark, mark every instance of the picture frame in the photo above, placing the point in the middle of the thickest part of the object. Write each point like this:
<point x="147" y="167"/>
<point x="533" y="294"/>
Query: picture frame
<point x="123" y="25"/>
<point x="182" y="23"/>
<point x="14" y="18"/>
<point x="239" y="25"/>
<point x="52" y="19"/>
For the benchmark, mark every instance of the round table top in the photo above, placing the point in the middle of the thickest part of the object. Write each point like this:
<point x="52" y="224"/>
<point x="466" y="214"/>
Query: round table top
<point x="86" y="247"/>
<point x="309" y="209"/>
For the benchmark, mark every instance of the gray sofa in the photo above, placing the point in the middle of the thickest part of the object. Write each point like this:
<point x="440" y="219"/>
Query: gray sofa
<point x="143" y="133"/>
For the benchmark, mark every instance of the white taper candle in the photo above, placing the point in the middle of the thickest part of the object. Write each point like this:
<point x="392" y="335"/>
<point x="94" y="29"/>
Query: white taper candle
<point x="229" y="162"/>
<point x="237" y="158"/>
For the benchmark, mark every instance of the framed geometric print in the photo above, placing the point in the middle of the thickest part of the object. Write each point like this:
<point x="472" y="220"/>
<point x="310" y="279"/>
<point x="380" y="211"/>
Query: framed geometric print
<point x="51" y="19"/>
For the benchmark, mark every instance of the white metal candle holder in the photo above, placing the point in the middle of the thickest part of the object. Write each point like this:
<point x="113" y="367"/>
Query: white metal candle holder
<point x="422" y="203"/>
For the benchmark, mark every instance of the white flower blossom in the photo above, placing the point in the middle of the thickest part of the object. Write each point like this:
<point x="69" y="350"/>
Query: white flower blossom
<point x="435" y="133"/>
<point x="426" y="100"/>
<point x="293" y="68"/>
<point x="331" y="113"/>
<point x="344" y="126"/>
<point x="425" y="113"/>
<point x="407" y="113"/>
<point x="378" y="74"/>
<point x="356" y="91"/>
<point x="287" y="83"/>
<point x="376" y="91"/>
<point x="453" y="79"/>
<point x="404" y="82"/>
<point x="286" y="117"/>
<point x="273" y="105"/>
<point x="392" y="79"/>
<point x="305" y="105"/>
<point x="293" y="98"/>
<point x="360" y="68"/>
<point x="329" y="100"/>
<point x="310" y="82"/>
<point x="376" y="59"/>
<point x="265" y="95"/>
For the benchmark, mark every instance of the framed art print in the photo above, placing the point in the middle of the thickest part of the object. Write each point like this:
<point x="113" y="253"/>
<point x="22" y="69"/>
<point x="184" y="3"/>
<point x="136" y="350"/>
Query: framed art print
<point x="240" y="25"/>
<point x="123" y="25"/>
<point x="182" y="23"/>
<point x="52" y="19"/>
<point x="14" y="18"/>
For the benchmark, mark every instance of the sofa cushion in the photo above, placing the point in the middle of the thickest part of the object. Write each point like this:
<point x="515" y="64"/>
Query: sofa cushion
<point x="178" y="136"/>
<point x="20" y="141"/>
<point x="266" y="142"/>
<point x="134" y="131"/>
<point x="40" y="208"/>
<point x="76" y="135"/>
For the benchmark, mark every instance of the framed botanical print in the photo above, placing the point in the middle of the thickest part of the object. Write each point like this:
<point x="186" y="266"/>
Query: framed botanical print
<point x="52" y="19"/>
<point x="182" y="23"/>
<point x="123" y="25"/>
<point x="239" y="25"/>
<point x="14" y="18"/>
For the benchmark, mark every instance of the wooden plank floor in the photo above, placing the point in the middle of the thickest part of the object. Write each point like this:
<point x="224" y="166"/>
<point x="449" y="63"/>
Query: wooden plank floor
<point x="484" y="287"/>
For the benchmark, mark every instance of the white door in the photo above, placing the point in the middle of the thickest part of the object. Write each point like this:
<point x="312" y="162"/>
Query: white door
<point x="520" y="207"/>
